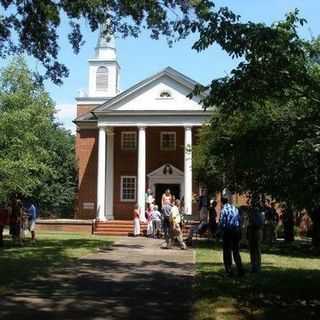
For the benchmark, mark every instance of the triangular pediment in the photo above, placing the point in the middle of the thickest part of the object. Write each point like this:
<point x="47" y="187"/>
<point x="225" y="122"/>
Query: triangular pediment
<point x="165" y="91"/>
<point x="166" y="170"/>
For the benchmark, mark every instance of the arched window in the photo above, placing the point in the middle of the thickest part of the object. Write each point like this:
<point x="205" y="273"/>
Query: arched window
<point x="102" y="79"/>
<point x="165" y="94"/>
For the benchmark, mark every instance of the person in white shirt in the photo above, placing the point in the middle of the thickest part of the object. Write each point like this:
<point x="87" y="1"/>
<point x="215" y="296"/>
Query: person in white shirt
<point x="156" y="222"/>
<point x="175" y="229"/>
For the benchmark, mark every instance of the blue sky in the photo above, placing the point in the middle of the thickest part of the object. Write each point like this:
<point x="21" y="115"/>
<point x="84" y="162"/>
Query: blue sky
<point x="142" y="57"/>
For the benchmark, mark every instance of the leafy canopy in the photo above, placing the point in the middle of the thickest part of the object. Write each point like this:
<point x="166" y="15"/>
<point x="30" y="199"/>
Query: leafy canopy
<point x="36" y="155"/>
<point x="35" y="24"/>
<point x="268" y="142"/>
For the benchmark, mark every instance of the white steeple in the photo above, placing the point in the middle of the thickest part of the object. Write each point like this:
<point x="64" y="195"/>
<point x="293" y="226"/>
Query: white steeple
<point x="106" y="46"/>
<point x="104" y="68"/>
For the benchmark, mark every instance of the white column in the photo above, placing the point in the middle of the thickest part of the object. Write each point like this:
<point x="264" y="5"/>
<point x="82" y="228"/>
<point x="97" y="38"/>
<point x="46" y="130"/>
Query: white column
<point x="188" y="170"/>
<point x="101" y="179"/>
<point x="142" y="171"/>
<point x="109" y="174"/>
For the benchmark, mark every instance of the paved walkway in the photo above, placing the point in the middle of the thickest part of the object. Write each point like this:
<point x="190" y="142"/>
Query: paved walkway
<point x="134" y="279"/>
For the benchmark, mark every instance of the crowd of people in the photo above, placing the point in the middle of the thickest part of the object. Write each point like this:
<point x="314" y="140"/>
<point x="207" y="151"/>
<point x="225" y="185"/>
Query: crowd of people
<point x="256" y="222"/>
<point x="21" y="217"/>
<point x="166" y="222"/>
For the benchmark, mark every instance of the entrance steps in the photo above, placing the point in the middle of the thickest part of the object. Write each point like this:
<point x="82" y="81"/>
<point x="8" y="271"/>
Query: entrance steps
<point x="125" y="228"/>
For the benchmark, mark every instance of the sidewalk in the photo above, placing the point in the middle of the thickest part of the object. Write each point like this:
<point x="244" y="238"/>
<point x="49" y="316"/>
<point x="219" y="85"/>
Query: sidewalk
<point x="134" y="279"/>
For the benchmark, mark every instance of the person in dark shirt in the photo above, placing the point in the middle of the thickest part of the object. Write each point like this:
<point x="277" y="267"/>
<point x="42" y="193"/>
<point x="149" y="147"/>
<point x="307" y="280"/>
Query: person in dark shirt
<point x="254" y="234"/>
<point x="212" y="217"/>
<point x="15" y="218"/>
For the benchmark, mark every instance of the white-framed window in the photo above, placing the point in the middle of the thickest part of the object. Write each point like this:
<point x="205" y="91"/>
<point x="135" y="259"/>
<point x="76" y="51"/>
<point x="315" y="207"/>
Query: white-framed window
<point x="167" y="141"/>
<point x="102" y="78"/>
<point x="128" y="188"/>
<point x="128" y="140"/>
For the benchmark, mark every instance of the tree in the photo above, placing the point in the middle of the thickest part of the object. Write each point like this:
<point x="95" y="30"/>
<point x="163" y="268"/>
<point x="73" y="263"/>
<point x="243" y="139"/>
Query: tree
<point x="269" y="143"/>
<point x="35" y="24"/>
<point x="36" y="154"/>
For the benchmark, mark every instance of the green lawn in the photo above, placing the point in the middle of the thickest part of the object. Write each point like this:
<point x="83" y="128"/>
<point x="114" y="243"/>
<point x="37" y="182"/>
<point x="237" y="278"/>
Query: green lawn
<point x="51" y="252"/>
<point x="287" y="288"/>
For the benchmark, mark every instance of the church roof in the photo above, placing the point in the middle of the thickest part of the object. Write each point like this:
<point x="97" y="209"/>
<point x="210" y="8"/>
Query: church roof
<point x="107" y="106"/>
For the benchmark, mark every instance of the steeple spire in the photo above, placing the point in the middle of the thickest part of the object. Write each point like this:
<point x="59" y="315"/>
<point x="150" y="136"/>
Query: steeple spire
<point x="104" y="68"/>
<point x="106" y="45"/>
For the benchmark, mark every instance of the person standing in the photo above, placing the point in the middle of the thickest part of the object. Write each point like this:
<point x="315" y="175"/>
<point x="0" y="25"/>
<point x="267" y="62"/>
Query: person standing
<point x="166" y="210"/>
<point x="156" y="222"/>
<point x="31" y="213"/>
<point x="255" y="235"/>
<point x="149" y="220"/>
<point x="149" y="198"/>
<point x="212" y="217"/>
<point x="270" y="222"/>
<point x="175" y="228"/>
<point x="166" y="198"/>
<point x="230" y="226"/>
<point x="203" y="205"/>
<point x="136" y="221"/>
<point x="15" y="218"/>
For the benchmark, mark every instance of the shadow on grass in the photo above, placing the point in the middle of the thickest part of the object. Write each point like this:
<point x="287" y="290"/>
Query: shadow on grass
<point x="102" y="288"/>
<point x="296" y="249"/>
<point x="275" y="293"/>
<point x="20" y="264"/>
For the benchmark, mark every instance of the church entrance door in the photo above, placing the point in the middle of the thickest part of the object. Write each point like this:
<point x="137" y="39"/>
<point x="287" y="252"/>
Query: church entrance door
<point x="162" y="187"/>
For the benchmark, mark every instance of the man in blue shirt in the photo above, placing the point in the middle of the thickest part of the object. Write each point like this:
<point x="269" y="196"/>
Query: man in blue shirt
<point x="230" y="224"/>
<point x="31" y="213"/>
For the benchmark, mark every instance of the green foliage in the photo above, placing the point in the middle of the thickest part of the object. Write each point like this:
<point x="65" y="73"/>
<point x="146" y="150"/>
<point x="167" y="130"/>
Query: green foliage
<point x="36" y="23"/>
<point x="287" y="287"/>
<point x="53" y="252"/>
<point x="37" y="156"/>
<point x="269" y="143"/>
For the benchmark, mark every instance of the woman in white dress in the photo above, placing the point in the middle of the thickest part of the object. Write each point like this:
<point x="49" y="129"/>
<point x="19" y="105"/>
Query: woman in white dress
<point x="136" y="221"/>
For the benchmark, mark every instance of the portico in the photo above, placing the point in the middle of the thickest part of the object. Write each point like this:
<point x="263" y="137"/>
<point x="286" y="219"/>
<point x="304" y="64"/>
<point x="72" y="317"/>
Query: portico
<point x="105" y="170"/>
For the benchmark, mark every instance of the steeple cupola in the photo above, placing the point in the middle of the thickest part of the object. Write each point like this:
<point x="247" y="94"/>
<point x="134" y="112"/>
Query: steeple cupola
<point x="104" y="68"/>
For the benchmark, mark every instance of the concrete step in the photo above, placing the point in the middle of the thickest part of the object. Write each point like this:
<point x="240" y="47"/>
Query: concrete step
<point x="123" y="228"/>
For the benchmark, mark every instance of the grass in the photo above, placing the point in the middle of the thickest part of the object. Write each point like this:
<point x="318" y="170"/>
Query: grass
<point x="287" y="288"/>
<point x="19" y="265"/>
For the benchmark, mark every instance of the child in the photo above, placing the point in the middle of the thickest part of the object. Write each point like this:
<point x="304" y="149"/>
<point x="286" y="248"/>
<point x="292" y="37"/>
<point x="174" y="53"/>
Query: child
<point x="136" y="221"/>
<point x="156" y="222"/>
<point x="149" y="220"/>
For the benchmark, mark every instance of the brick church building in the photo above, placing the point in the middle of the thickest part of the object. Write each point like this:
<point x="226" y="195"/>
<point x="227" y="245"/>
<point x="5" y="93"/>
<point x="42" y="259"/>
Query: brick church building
<point x="132" y="140"/>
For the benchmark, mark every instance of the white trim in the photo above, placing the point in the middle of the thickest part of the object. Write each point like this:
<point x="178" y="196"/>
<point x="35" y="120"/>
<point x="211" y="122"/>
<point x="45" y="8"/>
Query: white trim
<point x="104" y="124"/>
<point x="122" y="140"/>
<point x="101" y="172"/>
<point x="188" y="170"/>
<point x="162" y="133"/>
<point x="110" y="174"/>
<point x="169" y="72"/>
<point x="142" y="170"/>
<point x="135" y="189"/>
<point x="157" y="177"/>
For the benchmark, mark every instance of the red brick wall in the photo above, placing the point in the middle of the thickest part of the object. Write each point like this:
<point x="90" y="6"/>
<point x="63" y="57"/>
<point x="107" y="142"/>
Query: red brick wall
<point x="81" y="109"/>
<point x="87" y="155"/>
<point x="125" y="164"/>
